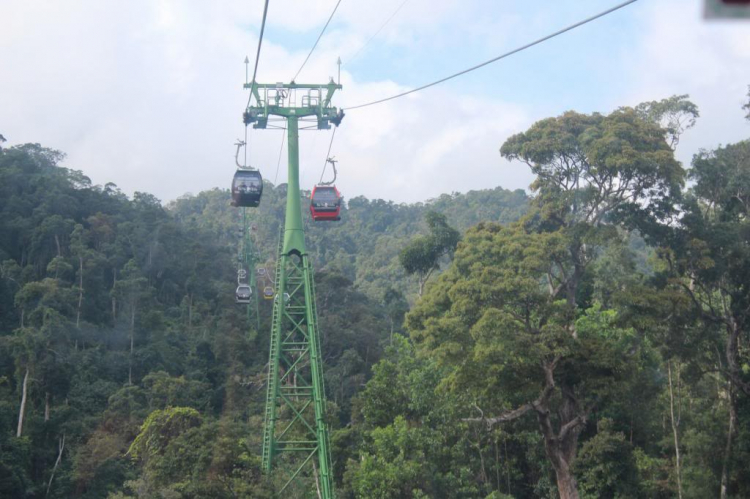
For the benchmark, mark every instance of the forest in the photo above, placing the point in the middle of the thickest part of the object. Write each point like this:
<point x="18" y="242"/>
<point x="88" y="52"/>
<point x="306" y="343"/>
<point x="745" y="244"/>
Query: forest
<point x="589" y="338"/>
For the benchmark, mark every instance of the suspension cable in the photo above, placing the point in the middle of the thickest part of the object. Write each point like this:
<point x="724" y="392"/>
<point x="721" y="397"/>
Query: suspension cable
<point x="244" y="163"/>
<point x="255" y="73"/>
<point x="316" y="41"/>
<point x="257" y="53"/>
<point x="503" y="56"/>
<point x="328" y="155"/>
<point x="376" y="33"/>
<point x="278" y="163"/>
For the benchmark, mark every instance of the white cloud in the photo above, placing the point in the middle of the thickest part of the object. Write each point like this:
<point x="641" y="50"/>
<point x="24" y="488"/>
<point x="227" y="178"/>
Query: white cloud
<point x="148" y="94"/>
<point x="679" y="52"/>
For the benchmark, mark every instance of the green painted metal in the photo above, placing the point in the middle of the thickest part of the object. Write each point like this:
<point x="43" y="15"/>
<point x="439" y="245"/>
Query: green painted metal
<point x="271" y="100"/>
<point x="296" y="448"/>
<point x="294" y="233"/>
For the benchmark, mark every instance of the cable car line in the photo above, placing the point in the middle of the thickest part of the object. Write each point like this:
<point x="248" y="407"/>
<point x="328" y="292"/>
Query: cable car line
<point x="260" y="39"/>
<point x="257" y="54"/>
<point x="503" y="56"/>
<point x="278" y="163"/>
<point x="316" y="41"/>
<point x="376" y="33"/>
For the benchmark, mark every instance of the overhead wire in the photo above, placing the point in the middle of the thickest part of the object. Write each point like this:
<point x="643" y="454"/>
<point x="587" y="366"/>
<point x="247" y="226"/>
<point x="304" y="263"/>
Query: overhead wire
<point x="502" y="56"/>
<point x="328" y="155"/>
<point x="257" y="53"/>
<point x="255" y="70"/>
<point x="278" y="163"/>
<point x="376" y="33"/>
<point x="316" y="41"/>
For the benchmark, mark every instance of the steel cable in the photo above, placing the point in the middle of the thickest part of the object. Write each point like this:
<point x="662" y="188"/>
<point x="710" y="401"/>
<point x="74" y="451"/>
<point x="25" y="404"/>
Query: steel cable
<point x="495" y="59"/>
<point x="316" y="41"/>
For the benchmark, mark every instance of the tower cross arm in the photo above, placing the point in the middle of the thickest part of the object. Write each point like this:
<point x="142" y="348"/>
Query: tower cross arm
<point x="317" y="102"/>
<point x="329" y="113"/>
<point x="330" y="86"/>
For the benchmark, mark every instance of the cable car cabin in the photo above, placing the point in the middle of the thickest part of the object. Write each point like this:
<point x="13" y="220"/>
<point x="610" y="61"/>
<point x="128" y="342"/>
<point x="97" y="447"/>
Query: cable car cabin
<point x="268" y="293"/>
<point x="325" y="203"/>
<point x="243" y="294"/>
<point x="247" y="187"/>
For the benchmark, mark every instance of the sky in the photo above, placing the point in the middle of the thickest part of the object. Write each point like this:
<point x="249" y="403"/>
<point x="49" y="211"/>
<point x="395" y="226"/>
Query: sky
<point x="148" y="93"/>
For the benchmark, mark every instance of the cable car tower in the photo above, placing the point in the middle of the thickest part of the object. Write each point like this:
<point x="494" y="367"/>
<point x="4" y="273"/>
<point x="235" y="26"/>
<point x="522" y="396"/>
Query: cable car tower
<point x="296" y="450"/>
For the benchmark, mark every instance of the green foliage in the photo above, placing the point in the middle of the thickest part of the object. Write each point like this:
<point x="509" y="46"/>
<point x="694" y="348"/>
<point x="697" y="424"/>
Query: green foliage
<point x="160" y="427"/>
<point x="167" y="391"/>
<point x="606" y="466"/>
<point x="423" y="254"/>
<point x="595" y="168"/>
<point x="412" y="444"/>
<point x="546" y="345"/>
<point x="675" y="115"/>
<point x="86" y="271"/>
<point x="364" y="247"/>
<point x="394" y="468"/>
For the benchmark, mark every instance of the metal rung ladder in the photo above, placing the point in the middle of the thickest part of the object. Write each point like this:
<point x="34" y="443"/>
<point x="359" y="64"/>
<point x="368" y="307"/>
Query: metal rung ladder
<point x="268" y="427"/>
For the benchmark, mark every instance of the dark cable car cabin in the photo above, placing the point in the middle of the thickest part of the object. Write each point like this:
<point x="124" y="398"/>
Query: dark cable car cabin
<point x="247" y="187"/>
<point x="268" y="293"/>
<point x="325" y="203"/>
<point x="243" y="294"/>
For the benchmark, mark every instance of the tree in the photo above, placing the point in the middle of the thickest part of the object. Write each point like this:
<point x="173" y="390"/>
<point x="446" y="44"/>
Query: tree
<point x="413" y="446"/>
<point x="747" y="106"/>
<point x="607" y="466"/>
<point x="423" y="254"/>
<point x="675" y="115"/>
<point x="594" y="169"/>
<point x="714" y="253"/>
<point x="707" y="256"/>
<point x="514" y="346"/>
<point x="131" y="289"/>
<point x="42" y="340"/>
<point x="79" y="250"/>
<point x="511" y="299"/>
<point x="395" y="467"/>
<point x="160" y="428"/>
<point x="396" y="307"/>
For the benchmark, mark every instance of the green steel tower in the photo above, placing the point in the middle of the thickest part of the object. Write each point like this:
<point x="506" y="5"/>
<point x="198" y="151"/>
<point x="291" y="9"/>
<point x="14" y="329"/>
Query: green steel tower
<point x="296" y="450"/>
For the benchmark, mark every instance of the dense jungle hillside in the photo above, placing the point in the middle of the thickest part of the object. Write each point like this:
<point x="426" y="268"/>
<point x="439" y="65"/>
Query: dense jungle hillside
<point x="587" y="340"/>
<point x="112" y="308"/>
<point x="364" y="246"/>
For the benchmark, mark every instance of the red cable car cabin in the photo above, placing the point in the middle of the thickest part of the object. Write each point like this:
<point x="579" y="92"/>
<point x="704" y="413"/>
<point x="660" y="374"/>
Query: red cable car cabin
<point x="325" y="203"/>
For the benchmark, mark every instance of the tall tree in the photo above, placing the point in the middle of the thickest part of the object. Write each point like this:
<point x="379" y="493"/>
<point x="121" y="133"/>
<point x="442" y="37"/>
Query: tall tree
<point x="132" y="289"/>
<point x="423" y="254"/>
<point x="708" y="255"/>
<point x="713" y="248"/>
<point x="675" y="115"/>
<point x="592" y="172"/>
